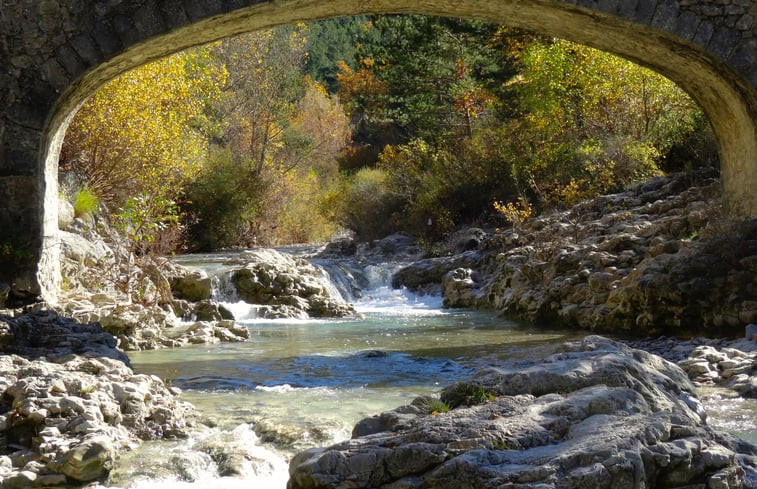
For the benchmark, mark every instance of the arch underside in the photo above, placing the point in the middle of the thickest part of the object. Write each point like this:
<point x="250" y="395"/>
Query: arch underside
<point x="728" y="100"/>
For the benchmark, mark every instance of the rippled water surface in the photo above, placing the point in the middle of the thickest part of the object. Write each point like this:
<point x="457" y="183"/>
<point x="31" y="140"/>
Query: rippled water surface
<point x="298" y="384"/>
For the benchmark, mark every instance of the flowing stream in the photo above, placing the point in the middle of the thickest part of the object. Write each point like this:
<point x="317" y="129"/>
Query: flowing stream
<point x="299" y="384"/>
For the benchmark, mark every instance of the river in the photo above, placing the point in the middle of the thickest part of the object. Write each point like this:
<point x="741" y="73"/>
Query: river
<point x="299" y="384"/>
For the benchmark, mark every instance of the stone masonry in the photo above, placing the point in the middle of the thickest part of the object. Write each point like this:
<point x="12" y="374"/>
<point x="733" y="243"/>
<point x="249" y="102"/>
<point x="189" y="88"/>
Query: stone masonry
<point x="54" y="53"/>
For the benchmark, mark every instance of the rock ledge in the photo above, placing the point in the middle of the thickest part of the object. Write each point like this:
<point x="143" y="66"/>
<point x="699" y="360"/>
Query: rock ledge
<point x="594" y="414"/>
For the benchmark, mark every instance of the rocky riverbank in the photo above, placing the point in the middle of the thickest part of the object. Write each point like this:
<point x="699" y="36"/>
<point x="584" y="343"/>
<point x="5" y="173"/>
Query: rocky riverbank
<point x="70" y="403"/>
<point x="146" y="302"/>
<point x="728" y="363"/>
<point x="656" y="259"/>
<point x="593" y="414"/>
<point x="150" y="302"/>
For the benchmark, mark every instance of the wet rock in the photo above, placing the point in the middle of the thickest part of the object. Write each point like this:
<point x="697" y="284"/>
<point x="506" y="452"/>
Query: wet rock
<point x="90" y="460"/>
<point x="467" y="239"/>
<point x="208" y="310"/>
<point x="398" y="246"/>
<point x="191" y="285"/>
<point x="460" y="289"/>
<point x="594" y="414"/>
<point x="340" y="248"/>
<point x="751" y="332"/>
<point x="372" y="354"/>
<point x="291" y="285"/>
<point x="427" y="275"/>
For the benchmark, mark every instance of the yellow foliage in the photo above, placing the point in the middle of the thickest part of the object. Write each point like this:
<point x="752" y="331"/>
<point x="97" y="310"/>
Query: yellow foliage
<point x="354" y="85"/>
<point x="514" y="212"/>
<point x="136" y="133"/>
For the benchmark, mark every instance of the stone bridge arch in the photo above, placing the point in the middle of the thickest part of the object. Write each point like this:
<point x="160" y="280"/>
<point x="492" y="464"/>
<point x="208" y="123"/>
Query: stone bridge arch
<point x="55" y="53"/>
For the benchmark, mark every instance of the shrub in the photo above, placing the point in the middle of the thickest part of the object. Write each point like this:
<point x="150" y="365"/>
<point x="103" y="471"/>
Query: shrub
<point x="142" y="220"/>
<point x="85" y="202"/>
<point x="462" y="394"/>
<point x="223" y="204"/>
<point x="364" y="204"/>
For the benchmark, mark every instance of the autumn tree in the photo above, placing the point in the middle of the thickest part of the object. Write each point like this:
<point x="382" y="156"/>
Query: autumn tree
<point x="442" y="75"/>
<point x="279" y="136"/>
<point x="333" y="42"/>
<point x="592" y="122"/>
<point x="140" y="133"/>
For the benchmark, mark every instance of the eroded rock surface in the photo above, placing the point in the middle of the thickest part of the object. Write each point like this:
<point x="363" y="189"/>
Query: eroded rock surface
<point x="658" y="258"/>
<point x="147" y="303"/>
<point x="729" y="363"/>
<point x="594" y="414"/>
<point x="70" y="403"/>
<point x="286" y="286"/>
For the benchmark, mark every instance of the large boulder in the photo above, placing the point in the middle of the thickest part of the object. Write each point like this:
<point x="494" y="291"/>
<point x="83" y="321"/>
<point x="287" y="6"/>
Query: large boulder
<point x="89" y="460"/>
<point x="191" y="285"/>
<point x="654" y="259"/>
<point x="288" y="284"/>
<point x="467" y="239"/>
<point x="397" y="246"/>
<point x="79" y="249"/>
<point x="427" y="275"/>
<point x="594" y="414"/>
<point x="340" y="248"/>
<point x="460" y="289"/>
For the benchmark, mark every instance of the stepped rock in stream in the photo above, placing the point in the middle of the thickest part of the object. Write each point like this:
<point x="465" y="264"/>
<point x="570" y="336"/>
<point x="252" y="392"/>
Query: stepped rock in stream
<point x="595" y="414"/>
<point x="288" y="287"/>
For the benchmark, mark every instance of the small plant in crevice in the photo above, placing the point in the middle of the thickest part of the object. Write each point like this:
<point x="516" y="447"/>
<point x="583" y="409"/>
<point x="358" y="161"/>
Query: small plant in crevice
<point x="462" y="394"/>
<point x="431" y="405"/>
<point x="85" y="202"/>
<point x="437" y="407"/>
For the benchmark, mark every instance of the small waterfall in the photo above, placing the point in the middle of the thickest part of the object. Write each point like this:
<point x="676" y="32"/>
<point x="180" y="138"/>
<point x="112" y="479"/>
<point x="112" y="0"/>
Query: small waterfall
<point x="380" y="275"/>
<point x="381" y="297"/>
<point x="346" y="278"/>
<point x="366" y="285"/>
<point x="335" y="289"/>
<point x="223" y="290"/>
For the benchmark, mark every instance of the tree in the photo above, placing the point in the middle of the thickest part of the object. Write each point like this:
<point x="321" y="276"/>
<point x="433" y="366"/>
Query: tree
<point x="260" y="95"/>
<point x="332" y="42"/>
<point x="140" y="132"/>
<point x="280" y="133"/>
<point x="592" y="122"/>
<point x="442" y="74"/>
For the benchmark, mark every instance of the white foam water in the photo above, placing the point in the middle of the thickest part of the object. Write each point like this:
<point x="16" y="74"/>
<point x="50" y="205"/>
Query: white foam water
<point x="194" y="468"/>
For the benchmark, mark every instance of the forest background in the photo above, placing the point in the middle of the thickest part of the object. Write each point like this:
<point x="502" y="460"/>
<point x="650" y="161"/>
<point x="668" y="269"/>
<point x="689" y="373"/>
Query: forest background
<point x="369" y="125"/>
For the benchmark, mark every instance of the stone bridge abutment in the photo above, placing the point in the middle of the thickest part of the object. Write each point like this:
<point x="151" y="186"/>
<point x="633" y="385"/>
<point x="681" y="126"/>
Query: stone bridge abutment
<point x="55" y="53"/>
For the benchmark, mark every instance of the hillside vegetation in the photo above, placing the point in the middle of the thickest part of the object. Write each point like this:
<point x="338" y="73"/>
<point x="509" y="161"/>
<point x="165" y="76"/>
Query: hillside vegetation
<point x="369" y="125"/>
